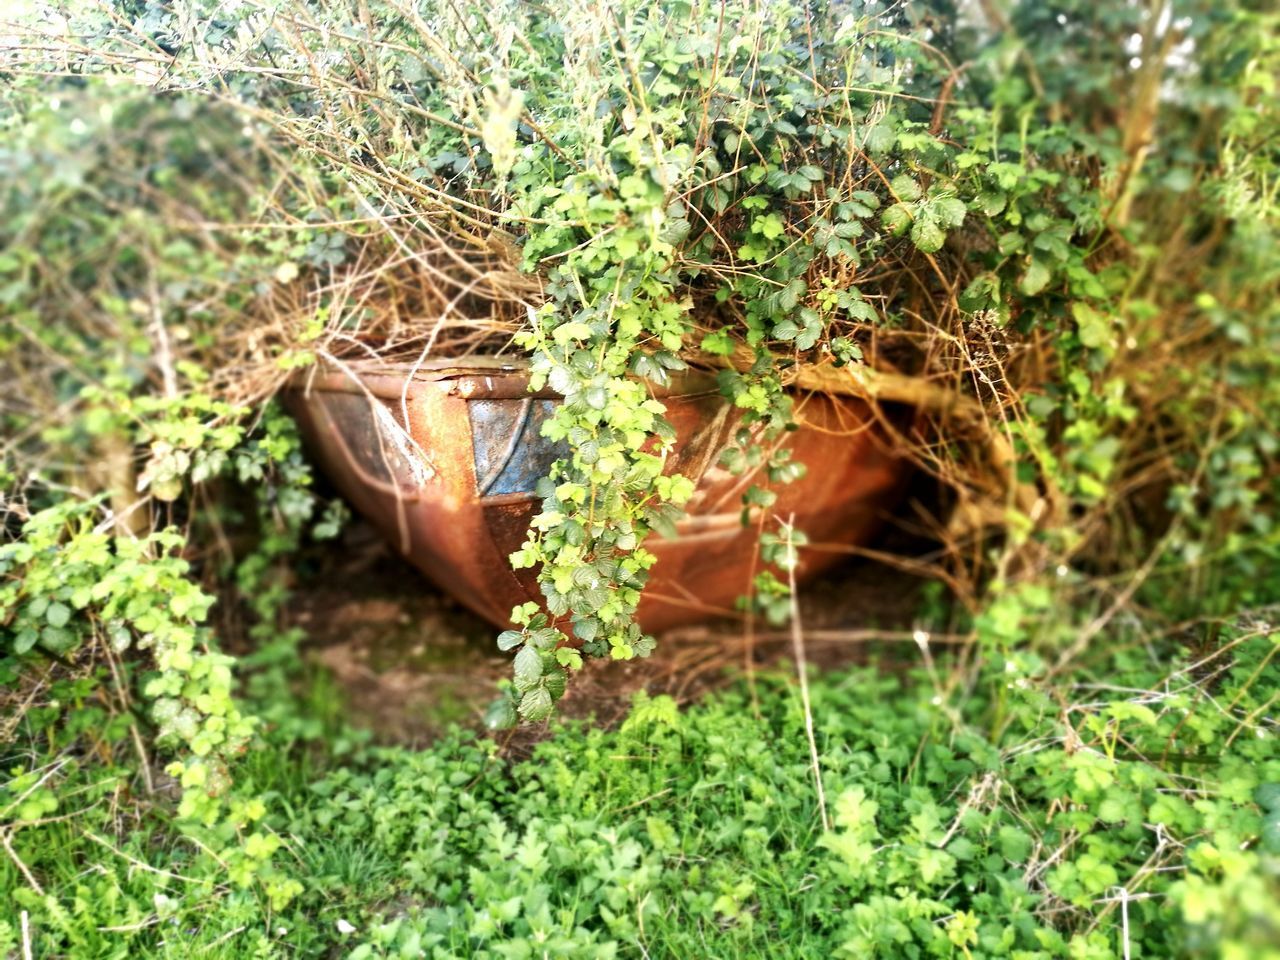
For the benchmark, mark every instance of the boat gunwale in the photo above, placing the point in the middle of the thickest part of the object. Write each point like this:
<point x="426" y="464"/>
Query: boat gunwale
<point x="478" y="378"/>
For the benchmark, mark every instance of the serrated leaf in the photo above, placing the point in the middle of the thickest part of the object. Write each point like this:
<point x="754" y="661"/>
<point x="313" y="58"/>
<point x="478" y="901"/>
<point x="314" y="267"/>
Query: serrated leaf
<point x="949" y="211"/>
<point x="569" y="658"/>
<point x="862" y="310"/>
<point x="867" y="198"/>
<point x="560" y="380"/>
<point x="555" y="682"/>
<point x="927" y="236"/>
<point x="905" y="188"/>
<point x="509" y="640"/>
<point x="535" y="705"/>
<point x="528" y="667"/>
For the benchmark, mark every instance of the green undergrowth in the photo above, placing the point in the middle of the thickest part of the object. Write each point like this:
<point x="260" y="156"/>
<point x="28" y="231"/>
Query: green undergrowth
<point x="1130" y="807"/>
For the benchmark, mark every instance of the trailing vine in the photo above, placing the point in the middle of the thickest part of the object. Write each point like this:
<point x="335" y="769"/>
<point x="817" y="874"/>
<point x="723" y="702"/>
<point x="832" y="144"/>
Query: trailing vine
<point x="729" y="189"/>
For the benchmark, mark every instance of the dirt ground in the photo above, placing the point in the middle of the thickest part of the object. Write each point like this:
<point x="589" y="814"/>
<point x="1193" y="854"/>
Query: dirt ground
<point x="411" y="661"/>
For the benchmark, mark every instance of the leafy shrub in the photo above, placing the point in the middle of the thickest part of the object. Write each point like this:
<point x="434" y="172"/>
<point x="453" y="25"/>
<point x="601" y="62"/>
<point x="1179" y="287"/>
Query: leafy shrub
<point x="1050" y="228"/>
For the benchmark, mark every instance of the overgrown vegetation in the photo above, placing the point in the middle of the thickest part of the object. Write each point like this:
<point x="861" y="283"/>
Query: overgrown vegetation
<point x="1048" y="227"/>
<point x="962" y="823"/>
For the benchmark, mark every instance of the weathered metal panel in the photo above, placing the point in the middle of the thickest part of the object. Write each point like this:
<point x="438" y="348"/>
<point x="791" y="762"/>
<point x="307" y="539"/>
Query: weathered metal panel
<point x="444" y="460"/>
<point x="510" y="451"/>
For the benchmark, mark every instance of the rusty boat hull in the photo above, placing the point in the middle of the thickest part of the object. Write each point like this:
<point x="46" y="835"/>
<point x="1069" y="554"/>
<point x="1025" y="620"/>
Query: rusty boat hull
<point x="443" y="459"/>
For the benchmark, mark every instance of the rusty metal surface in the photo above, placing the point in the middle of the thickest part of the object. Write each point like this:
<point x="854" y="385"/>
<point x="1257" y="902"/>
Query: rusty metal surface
<point x="444" y="462"/>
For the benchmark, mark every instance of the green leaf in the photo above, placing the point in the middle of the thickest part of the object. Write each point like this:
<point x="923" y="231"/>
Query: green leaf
<point x="862" y="310"/>
<point x="896" y="219"/>
<point x="720" y="343"/>
<point x="500" y="714"/>
<point x="58" y="614"/>
<point x="1036" y="278"/>
<point x="25" y="640"/>
<point x="510" y="639"/>
<point x="535" y="705"/>
<point x="528" y="666"/>
<point x="905" y="188"/>
<point x="1271" y="834"/>
<point x="1267" y="796"/>
<point x="1015" y="845"/>
<point x="786" y="330"/>
<point x="770" y="226"/>
<point x="1094" y="328"/>
<point x="927" y="235"/>
<point x="569" y="657"/>
<point x="949" y="211"/>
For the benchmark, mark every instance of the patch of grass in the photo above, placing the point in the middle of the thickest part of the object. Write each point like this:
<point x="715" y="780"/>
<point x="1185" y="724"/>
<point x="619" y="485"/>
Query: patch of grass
<point x="991" y="819"/>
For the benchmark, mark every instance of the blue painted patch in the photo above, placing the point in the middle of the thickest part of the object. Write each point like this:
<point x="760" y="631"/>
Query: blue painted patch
<point x="510" y="452"/>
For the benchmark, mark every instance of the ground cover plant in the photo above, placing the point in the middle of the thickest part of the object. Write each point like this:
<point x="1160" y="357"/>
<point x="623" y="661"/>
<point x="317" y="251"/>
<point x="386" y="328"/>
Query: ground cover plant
<point x="1049" y="229"/>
